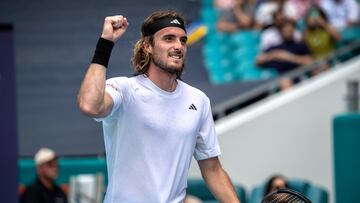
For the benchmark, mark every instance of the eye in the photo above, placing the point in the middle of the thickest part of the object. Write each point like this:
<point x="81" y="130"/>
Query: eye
<point x="183" y="40"/>
<point x="168" y="38"/>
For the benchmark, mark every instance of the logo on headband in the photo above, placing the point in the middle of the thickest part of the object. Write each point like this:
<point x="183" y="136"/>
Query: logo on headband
<point x="175" y="21"/>
<point x="159" y="24"/>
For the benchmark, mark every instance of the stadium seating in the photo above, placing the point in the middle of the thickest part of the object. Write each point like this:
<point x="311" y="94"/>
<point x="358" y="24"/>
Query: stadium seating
<point x="315" y="194"/>
<point x="230" y="57"/>
<point x="70" y="167"/>
<point x="348" y="36"/>
<point x="67" y="168"/>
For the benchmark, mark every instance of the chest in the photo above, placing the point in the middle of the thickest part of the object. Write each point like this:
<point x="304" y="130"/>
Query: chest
<point x="180" y="116"/>
<point x="318" y="39"/>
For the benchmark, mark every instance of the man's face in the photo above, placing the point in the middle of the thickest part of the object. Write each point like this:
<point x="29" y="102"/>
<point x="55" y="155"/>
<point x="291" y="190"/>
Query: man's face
<point x="168" y="49"/>
<point x="49" y="170"/>
<point x="287" y="32"/>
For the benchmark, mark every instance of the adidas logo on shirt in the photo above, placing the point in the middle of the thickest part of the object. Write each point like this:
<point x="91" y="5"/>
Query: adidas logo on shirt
<point x="175" y="21"/>
<point x="193" y="107"/>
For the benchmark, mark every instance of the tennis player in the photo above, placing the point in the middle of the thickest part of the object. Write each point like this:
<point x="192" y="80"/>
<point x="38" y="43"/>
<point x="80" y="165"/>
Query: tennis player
<point x="153" y="122"/>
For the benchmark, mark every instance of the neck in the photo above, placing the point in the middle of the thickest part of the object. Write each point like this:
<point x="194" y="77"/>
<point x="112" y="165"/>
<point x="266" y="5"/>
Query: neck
<point x="46" y="182"/>
<point x="161" y="78"/>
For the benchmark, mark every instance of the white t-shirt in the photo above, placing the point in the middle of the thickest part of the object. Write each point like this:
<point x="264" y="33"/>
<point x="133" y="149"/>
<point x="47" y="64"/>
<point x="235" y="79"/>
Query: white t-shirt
<point x="340" y="13"/>
<point x="150" y="137"/>
<point x="265" y="11"/>
<point x="272" y="37"/>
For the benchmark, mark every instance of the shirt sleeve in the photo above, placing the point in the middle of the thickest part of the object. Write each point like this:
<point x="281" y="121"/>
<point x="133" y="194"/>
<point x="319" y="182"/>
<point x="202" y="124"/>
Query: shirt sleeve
<point x="353" y="10"/>
<point x="207" y="144"/>
<point x="116" y="88"/>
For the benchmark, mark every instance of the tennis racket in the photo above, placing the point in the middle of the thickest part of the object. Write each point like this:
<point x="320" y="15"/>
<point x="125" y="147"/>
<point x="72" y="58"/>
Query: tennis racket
<point x="285" y="195"/>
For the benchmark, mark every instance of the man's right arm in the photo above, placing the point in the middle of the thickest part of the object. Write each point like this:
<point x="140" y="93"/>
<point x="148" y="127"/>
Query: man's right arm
<point x="92" y="99"/>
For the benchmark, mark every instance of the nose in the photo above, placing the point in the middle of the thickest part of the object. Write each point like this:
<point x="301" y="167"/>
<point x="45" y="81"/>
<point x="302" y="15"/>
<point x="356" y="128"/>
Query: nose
<point x="179" y="45"/>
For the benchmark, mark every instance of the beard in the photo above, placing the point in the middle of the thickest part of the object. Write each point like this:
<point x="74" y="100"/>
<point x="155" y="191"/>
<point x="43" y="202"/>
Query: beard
<point x="165" y="67"/>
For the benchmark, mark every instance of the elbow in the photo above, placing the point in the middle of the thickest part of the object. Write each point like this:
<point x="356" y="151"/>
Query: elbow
<point x="248" y="22"/>
<point x="88" y="109"/>
<point x="259" y="61"/>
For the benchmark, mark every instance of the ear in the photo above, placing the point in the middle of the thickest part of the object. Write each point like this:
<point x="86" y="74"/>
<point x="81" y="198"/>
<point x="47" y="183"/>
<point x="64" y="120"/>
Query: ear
<point x="147" y="47"/>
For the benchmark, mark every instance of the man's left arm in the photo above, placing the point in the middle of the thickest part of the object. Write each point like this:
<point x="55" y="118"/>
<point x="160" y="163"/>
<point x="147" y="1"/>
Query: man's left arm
<point x="301" y="59"/>
<point x="218" y="180"/>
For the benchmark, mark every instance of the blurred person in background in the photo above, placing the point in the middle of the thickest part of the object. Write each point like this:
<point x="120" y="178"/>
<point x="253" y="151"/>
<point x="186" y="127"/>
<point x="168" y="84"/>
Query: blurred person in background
<point x="235" y="15"/>
<point x="303" y="7"/>
<point x="341" y="13"/>
<point x="274" y="183"/>
<point x="44" y="188"/>
<point x="287" y="56"/>
<point x="319" y="35"/>
<point x="264" y="14"/>
<point x="271" y="35"/>
<point x="153" y="122"/>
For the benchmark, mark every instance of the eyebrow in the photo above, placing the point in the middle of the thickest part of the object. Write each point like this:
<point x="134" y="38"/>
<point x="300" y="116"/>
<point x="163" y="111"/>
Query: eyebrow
<point x="172" y="35"/>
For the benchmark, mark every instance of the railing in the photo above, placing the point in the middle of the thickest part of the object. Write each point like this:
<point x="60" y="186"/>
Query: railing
<point x="273" y="86"/>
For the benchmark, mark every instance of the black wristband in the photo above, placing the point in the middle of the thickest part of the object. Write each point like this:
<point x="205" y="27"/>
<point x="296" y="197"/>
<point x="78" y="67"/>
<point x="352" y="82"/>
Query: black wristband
<point x="103" y="52"/>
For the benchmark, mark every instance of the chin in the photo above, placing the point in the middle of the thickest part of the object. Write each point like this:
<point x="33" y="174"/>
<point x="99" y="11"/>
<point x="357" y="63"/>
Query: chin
<point x="177" y="67"/>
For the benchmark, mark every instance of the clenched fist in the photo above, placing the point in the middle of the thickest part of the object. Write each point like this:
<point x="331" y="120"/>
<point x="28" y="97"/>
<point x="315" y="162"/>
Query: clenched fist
<point x="114" y="27"/>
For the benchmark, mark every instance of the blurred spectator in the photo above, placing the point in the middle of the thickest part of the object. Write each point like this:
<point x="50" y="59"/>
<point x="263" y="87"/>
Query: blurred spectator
<point x="341" y="13"/>
<point x="235" y="14"/>
<point x="271" y="36"/>
<point x="319" y="35"/>
<point x="303" y="6"/>
<point x="265" y="12"/>
<point x="274" y="183"/>
<point x="44" y="188"/>
<point x="287" y="56"/>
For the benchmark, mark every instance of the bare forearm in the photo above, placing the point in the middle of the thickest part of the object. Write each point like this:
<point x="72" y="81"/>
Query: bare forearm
<point x="263" y="58"/>
<point x="217" y="180"/>
<point x="301" y="60"/>
<point x="92" y="99"/>
<point x="284" y="55"/>
<point x="333" y="32"/>
<point x="92" y="91"/>
<point x="242" y="18"/>
<point x="220" y="185"/>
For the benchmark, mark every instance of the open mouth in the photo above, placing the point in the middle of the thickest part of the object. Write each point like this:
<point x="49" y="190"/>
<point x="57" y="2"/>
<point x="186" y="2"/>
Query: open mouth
<point x="176" y="55"/>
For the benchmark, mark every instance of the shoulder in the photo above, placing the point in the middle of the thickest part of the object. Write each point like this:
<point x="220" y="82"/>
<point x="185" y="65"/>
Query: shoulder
<point x="194" y="92"/>
<point x="117" y="80"/>
<point x="270" y="33"/>
<point x="121" y="82"/>
<point x="32" y="190"/>
<point x="35" y="185"/>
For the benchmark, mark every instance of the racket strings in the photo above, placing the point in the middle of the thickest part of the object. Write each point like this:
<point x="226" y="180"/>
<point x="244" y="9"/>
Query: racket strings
<point x="283" y="198"/>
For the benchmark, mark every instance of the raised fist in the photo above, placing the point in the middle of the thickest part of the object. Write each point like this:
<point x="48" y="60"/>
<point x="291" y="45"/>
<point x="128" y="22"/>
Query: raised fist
<point x="114" y="27"/>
